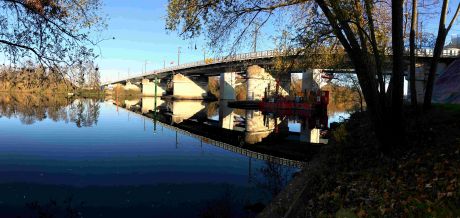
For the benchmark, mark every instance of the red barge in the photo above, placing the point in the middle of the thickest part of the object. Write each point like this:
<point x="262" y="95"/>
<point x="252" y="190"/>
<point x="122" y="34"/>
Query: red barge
<point x="313" y="101"/>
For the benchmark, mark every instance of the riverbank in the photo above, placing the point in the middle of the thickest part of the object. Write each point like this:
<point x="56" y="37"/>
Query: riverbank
<point x="349" y="178"/>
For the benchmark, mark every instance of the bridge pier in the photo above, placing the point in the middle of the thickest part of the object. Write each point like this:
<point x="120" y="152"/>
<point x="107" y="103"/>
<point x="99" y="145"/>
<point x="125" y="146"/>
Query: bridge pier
<point x="186" y="88"/>
<point x="184" y="110"/>
<point x="148" y="104"/>
<point x="311" y="80"/>
<point x="259" y="81"/>
<point x="148" y="88"/>
<point x="421" y="77"/>
<point x="259" y="126"/>
<point x="131" y="87"/>
<point x="226" y="115"/>
<point x="227" y="86"/>
<point x="131" y="103"/>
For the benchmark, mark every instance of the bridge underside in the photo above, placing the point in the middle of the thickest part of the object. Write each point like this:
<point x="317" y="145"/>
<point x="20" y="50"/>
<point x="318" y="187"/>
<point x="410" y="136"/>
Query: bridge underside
<point x="261" y="78"/>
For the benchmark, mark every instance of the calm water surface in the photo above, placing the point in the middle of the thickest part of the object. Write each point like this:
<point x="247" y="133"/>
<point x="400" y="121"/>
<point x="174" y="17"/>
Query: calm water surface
<point x="89" y="158"/>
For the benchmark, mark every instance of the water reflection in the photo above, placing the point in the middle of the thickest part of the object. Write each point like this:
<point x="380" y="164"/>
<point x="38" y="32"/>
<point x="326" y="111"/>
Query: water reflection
<point x="84" y="112"/>
<point x="81" y="157"/>
<point x="30" y="109"/>
<point x="243" y="127"/>
<point x="274" y="177"/>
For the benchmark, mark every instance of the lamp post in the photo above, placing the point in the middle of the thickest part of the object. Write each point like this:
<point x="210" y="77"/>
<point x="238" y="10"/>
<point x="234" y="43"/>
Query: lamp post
<point x="145" y="65"/>
<point x="204" y="55"/>
<point x="178" y="55"/>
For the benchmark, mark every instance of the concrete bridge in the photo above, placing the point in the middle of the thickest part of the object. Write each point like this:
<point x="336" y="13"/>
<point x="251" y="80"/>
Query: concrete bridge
<point x="209" y="138"/>
<point x="235" y="130"/>
<point x="190" y="80"/>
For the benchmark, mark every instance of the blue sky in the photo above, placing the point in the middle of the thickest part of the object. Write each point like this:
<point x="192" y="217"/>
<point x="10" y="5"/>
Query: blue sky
<point x="139" y="30"/>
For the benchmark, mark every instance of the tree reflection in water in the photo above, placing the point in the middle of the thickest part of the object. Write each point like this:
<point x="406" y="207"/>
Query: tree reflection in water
<point x="274" y="177"/>
<point x="32" y="108"/>
<point x="84" y="112"/>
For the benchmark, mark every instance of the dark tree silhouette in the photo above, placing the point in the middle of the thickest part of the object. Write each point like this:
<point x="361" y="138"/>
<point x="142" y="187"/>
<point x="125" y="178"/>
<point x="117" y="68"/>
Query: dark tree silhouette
<point x="51" y="32"/>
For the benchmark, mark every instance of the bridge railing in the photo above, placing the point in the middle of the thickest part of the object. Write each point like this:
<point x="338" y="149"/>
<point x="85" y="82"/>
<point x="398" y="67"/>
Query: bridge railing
<point x="425" y="52"/>
<point x="210" y="61"/>
<point x="446" y="53"/>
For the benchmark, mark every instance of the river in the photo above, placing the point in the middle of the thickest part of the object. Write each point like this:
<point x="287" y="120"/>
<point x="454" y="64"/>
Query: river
<point x="67" y="157"/>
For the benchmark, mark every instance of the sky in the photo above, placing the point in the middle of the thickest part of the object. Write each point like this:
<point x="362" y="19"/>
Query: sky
<point x="140" y="37"/>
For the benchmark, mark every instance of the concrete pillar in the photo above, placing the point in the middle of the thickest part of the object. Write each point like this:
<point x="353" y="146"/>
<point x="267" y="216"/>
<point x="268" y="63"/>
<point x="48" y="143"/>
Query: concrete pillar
<point x="186" y="88"/>
<point x="131" y="103"/>
<point x="259" y="126"/>
<point x="131" y="87"/>
<point x="311" y="80"/>
<point x="148" y="88"/>
<point x="227" y="86"/>
<point x="148" y="104"/>
<point x="258" y="81"/>
<point x="226" y="115"/>
<point x="315" y="136"/>
<point x="421" y="77"/>
<point x="305" y="132"/>
<point x="285" y="84"/>
<point x="421" y="74"/>
<point x="117" y="86"/>
<point x="183" y="110"/>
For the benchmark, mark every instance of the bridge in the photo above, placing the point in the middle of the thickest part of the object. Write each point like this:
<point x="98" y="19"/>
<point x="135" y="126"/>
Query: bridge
<point x="226" y="143"/>
<point x="190" y="80"/>
<point x="250" y="133"/>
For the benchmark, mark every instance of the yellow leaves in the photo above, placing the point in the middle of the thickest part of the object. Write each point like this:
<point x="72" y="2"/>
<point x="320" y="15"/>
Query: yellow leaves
<point x="208" y="61"/>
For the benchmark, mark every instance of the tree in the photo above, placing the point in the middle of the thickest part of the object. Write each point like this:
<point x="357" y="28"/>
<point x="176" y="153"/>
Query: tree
<point x="413" y="28"/>
<point x="51" y="32"/>
<point x="365" y="29"/>
<point x="94" y="77"/>
<point x="439" y="47"/>
<point x="318" y="24"/>
<point x="347" y="86"/>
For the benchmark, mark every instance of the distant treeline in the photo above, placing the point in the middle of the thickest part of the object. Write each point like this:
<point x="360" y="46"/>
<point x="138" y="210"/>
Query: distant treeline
<point x="34" y="80"/>
<point x="32" y="108"/>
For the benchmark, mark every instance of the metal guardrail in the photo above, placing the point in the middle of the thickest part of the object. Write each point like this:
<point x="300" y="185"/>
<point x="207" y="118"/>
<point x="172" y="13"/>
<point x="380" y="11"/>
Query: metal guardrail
<point x="447" y="53"/>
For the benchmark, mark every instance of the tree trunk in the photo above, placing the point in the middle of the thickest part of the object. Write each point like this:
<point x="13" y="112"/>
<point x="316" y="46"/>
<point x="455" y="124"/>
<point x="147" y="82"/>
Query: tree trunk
<point x="375" y="108"/>
<point x="439" y="46"/>
<point x="398" y="70"/>
<point x="413" y="90"/>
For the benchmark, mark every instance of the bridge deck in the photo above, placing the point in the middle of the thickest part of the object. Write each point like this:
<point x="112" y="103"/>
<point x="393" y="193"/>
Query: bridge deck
<point x="252" y="56"/>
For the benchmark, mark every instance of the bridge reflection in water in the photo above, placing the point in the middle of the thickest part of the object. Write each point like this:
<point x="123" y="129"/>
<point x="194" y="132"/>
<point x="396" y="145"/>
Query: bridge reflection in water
<point x="237" y="130"/>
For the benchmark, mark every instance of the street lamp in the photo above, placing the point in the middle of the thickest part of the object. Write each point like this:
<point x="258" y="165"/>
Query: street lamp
<point x="204" y="55"/>
<point x="145" y="65"/>
<point x="178" y="56"/>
